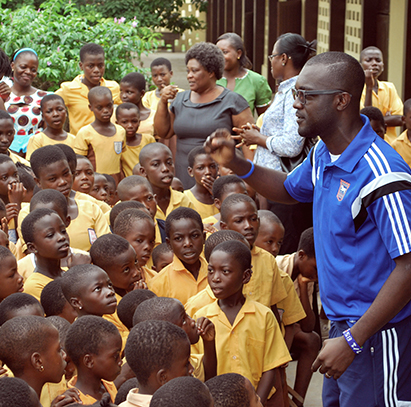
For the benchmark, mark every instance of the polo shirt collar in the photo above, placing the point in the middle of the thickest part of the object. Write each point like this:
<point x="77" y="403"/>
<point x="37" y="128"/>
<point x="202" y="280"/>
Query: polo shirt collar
<point x="179" y="266"/>
<point x="355" y="151"/>
<point x="214" y="309"/>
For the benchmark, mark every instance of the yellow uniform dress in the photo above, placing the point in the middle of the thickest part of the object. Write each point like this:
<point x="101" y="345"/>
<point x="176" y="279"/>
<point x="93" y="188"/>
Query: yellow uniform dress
<point x="83" y="230"/>
<point x="200" y="300"/>
<point x="105" y="207"/>
<point x="150" y="99"/>
<point x="176" y="282"/>
<point x="51" y="390"/>
<point x="75" y="95"/>
<point x="252" y="345"/>
<point x="135" y="399"/>
<point x="147" y="126"/>
<point x="204" y="210"/>
<point x="35" y="283"/>
<point x="40" y="140"/>
<point x="177" y="199"/>
<point x="148" y="273"/>
<point x="265" y="285"/>
<point x="402" y="146"/>
<point x="131" y="156"/>
<point x="86" y="399"/>
<point x="286" y="264"/>
<point x="290" y="308"/>
<point x="211" y="219"/>
<point x="103" y="152"/>
<point x="27" y="264"/>
<point x="387" y="100"/>
<point x="115" y="320"/>
<point x="17" y="159"/>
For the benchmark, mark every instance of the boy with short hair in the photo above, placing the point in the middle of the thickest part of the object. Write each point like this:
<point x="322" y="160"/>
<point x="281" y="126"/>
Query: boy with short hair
<point x="157" y="352"/>
<point x="402" y="145"/>
<point x="204" y="171"/>
<point x="271" y="232"/>
<point x="112" y="188"/>
<point x="100" y="190"/>
<point x="157" y="166"/>
<point x="102" y="141"/>
<point x="222" y="188"/>
<point x="376" y="120"/>
<point x="118" y="259"/>
<point x="380" y="94"/>
<point x="187" y="274"/>
<point x="10" y="280"/>
<point x="162" y="256"/>
<point x="241" y="323"/>
<point x="137" y="227"/>
<point x="239" y="213"/>
<point x="45" y="235"/>
<point x="94" y="346"/>
<point x="75" y="92"/>
<point x="128" y="117"/>
<point x="19" y="304"/>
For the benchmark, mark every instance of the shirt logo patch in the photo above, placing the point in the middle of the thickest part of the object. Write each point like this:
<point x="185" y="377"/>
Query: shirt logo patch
<point x="342" y="190"/>
<point x="118" y="147"/>
<point x="92" y="236"/>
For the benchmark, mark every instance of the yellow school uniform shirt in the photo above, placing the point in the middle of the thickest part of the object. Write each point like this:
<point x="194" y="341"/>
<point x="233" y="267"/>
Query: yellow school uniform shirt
<point x="87" y="399"/>
<point x="204" y="210"/>
<point x="115" y="320"/>
<point x="265" y="285"/>
<point x="252" y="345"/>
<point x="148" y="273"/>
<point x="17" y="159"/>
<point x="51" y="390"/>
<point x="177" y="199"/>
<point x="402" y="146"/>
<point x="103" y="152"/>
<point x="211" y="219"/>
<point x="176" y="282"/>
<point x="27" y="264"/>
<point x="35" y="283"/>
<point x="105" y="207"/>
<point x="387" y="100"/>
<point x="39" y="140"/>
<point x="135" y="399"/>
<point x="83" y="230"/>
<point x="200" y="300"/>
<point x="147" y="126"/>
<point x="286" y="264"/>
<point x="290" y="308"/>
<point x="131" y="156"/>
<point x="151" y="100"/>
<point x="75" y="95"/>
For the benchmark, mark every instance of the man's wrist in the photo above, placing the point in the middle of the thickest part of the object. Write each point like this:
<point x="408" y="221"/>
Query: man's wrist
<point x="355" y="347"/>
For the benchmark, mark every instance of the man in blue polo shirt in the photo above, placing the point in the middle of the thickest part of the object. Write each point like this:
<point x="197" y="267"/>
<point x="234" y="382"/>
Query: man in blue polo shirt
<point x="361" y="193"/>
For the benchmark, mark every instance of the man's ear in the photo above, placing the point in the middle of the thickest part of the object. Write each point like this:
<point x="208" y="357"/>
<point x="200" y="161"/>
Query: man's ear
<point x="88" y="361"/>
<point x="344" y="99"/>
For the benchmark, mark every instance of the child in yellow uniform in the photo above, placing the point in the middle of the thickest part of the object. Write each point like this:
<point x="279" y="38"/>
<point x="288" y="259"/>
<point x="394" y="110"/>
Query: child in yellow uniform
<point x="403" y="143"/>
<point x="75" y="93"/>
<point x="157" y="166"/>
<point x="54" y="115"/>
<point x="171" y="310"/>
<point x="102" y="141"/>
<point x="52" y="171"/>
<point x="223" y="187"/>
<point x="45" y="235"/>
<point x="204" y="170"/>
<point x="137" y="227"/>
<point x="239" y="213"/>
<point x="162" y="256"/>
<point x="206" y="296"/>
<point x="248" y="337"/>
<point x="128" y="117"/>
<point x="157" y="352"/>
<point x="10" y="280"/>
<point x="132" y="90"/>
<point x="379" y="93"/>
<point x="187" y="274"/>
<point x="118" y="259"/>
<point x="94" y="346"/>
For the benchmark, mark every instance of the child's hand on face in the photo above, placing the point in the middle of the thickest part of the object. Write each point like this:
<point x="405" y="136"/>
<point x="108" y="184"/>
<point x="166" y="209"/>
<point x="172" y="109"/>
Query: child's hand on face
<point x="68" y="397"/>
<point x="74" y="259"/>
<point x="206" y="329"/>
<point x="305" y="280"/>
<point x="209" y="228"/>
<point x="140" y="285"/>
<point x="369" y="78"/>
<point x="4" y="225"/>
<point x="12" y="211"/>
<point x="207" y="182"/>
<point x="16" y="192"/>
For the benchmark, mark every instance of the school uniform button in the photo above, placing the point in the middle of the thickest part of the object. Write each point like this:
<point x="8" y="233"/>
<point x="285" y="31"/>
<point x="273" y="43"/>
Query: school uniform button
<point x="234" y="357"/>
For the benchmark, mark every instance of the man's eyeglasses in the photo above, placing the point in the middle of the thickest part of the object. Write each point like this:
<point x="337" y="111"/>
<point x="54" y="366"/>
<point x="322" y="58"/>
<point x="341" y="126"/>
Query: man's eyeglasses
<point x="301" y="95"/>
<point x="272" y="56"/>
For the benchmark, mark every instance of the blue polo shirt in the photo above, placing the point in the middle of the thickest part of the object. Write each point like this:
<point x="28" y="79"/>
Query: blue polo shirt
<point x="361" y="207"/>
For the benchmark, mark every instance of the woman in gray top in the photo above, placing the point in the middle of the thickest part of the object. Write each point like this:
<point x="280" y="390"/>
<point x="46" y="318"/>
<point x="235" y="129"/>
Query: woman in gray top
<point x="196" y="113"/>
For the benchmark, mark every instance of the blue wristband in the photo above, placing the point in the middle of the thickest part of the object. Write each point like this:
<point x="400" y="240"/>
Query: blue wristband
<point x="249" y="173"/>
<point x="351" y="342"/>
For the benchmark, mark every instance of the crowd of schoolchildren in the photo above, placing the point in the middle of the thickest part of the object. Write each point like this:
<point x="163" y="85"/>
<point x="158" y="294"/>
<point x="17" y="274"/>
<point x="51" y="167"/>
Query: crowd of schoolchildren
<point x="113" y="279"/>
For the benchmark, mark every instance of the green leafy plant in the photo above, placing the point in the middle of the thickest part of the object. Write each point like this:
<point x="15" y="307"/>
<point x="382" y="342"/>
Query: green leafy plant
<point x="59" y="29"/>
